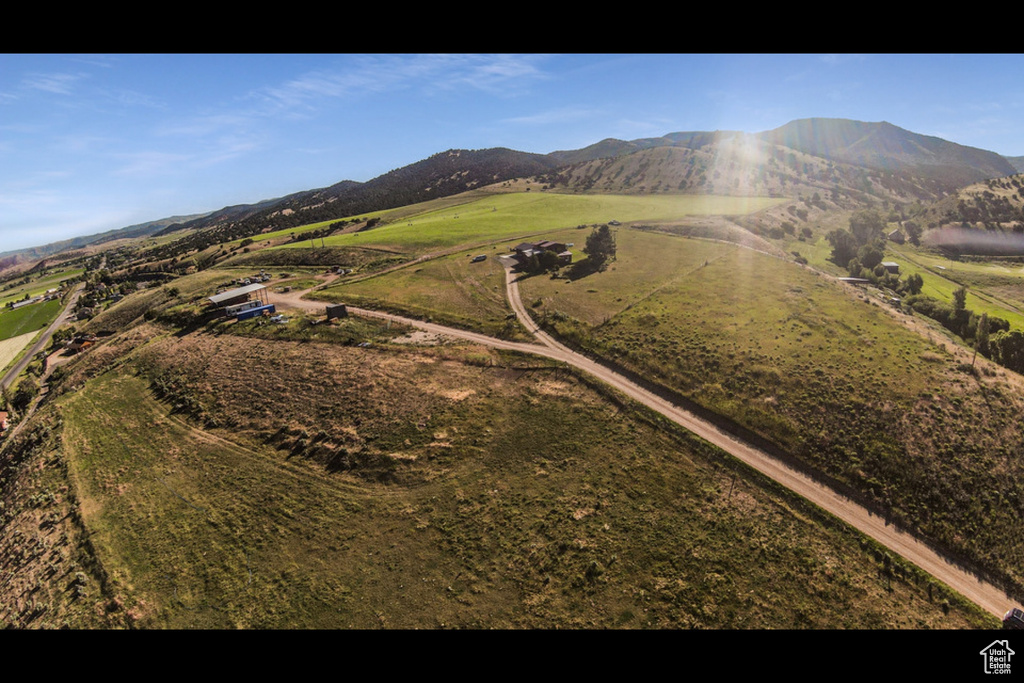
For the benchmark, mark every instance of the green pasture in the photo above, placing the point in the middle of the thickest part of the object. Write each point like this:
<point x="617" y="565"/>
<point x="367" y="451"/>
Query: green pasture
<point x="993" y="287"/>
<point x="514" y="215"/>
<point x="29" y="318"/>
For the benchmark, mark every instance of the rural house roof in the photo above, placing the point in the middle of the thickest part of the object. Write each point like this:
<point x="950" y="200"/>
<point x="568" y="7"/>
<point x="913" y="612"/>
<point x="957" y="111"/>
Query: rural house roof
<point x="234" y="293"/>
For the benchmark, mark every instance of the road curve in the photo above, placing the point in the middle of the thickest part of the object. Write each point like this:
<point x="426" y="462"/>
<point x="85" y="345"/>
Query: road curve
<point x="982" y="593"/>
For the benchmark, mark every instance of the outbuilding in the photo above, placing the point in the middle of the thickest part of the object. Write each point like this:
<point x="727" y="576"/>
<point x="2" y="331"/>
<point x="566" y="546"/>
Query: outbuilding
<point x="240" y="295"/>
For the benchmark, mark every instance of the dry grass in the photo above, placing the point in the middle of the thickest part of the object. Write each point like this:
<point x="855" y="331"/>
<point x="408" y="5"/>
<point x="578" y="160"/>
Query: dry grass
<point x="413" y="487"/>
<point x="10" y="348"/>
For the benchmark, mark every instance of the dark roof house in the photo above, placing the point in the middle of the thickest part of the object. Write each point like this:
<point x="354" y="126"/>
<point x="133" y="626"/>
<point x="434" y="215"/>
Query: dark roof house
<point x="891" y="266"/>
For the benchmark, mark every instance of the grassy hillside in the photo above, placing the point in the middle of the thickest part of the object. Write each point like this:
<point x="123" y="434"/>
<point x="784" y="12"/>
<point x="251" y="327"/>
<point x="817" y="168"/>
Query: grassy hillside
<point x="829" y="375"/>
<point x="509" y="216"/>
<point x="403" y="487"/>
<point x="266" y="476"/>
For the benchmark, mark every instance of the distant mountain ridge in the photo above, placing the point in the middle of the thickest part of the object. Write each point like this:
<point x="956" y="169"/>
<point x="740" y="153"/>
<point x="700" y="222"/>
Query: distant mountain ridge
<point x="9" y="259"/>
<point x="810" y="153"/>
<point x="883" y="146"/>
<point x="439" y="175"/>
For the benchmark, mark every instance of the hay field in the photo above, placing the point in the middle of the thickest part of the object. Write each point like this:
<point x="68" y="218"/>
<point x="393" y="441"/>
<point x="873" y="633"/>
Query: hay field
<point x="10" y="348"/>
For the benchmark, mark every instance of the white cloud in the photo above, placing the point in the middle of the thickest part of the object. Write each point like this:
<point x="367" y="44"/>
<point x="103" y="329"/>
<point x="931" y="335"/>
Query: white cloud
<point x="367" y="74"/>
<point x="559" y="115"/>
<point x="149" y="163"/>
<point x="57" y="83"/>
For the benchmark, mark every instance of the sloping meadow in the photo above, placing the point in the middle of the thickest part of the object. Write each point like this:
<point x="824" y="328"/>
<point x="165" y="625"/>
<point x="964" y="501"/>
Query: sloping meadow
<point x="236" y="482"/>
<point x="825" y="372"/>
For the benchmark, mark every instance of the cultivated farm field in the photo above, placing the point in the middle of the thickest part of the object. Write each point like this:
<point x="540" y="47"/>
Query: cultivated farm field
<point x="29" y="318"/>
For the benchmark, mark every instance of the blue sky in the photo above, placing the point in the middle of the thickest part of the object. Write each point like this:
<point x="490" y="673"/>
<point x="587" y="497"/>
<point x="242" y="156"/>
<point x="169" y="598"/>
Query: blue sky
<point x="94" y="142"/>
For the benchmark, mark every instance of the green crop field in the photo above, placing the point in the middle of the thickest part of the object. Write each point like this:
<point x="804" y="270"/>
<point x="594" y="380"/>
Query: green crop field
<point x="28" y="318"/>
<point x="513" y="215"/>
<point x="38" y="286"/>
<point x="993" y="287"/>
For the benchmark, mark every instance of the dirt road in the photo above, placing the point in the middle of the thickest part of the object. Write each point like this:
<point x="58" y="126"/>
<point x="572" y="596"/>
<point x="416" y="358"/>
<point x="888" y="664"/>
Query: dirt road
<point x="987" y="596"/>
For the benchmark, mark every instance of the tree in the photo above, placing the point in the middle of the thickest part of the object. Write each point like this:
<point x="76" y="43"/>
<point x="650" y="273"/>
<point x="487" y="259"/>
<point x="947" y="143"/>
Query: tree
<point x="1008" y="349"/>
<point x="600" y="246"/>
<point x="870" y="256"/>
<point x="844" y="246"/>
<point x="981" y="338"/>
<point x="960" y="298"/>
<point x="914" y="283"/>
<point x="867" y="225"/>
<point x="23" y="395"/>
<point x="913" y="232"/>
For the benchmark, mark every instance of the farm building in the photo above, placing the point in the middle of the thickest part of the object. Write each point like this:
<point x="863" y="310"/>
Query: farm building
<point x="240" y="295"/>
<point x="527" y="249"/>
<point x="891" y="267"/>
<point x="26" y="302"/>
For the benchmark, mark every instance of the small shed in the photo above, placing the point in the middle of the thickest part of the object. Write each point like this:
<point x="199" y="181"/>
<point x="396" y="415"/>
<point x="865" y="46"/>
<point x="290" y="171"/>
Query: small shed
<point x="892" y="267"/>
<point x="240" y="295"/>
<point x="337" y="311"/>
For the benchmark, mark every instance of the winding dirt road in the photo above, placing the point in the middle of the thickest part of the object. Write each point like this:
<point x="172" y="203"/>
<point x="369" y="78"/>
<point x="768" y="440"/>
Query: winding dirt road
<point x="982" y="593"/>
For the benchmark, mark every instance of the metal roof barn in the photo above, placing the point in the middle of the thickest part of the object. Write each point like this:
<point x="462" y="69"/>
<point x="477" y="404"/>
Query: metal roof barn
<point x="232" y="294"/>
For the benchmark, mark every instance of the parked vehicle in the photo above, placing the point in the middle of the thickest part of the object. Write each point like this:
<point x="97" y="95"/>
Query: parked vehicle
<point x="1014" y="619"/>
<point x="481" y="257"/>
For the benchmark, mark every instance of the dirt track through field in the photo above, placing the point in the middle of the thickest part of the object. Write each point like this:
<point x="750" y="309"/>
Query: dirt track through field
<point x="982" y="593"/>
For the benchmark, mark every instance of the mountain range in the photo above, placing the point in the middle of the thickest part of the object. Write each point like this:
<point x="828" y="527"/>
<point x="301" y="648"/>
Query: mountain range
<point x="857" y="160"/>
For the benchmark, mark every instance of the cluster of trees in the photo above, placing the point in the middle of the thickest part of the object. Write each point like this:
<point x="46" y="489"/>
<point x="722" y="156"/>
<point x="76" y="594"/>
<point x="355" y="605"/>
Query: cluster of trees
<point x="861" y="250"/>
<point x="542" y="262"/>
<point x="990" y="336"/>
<point x="863" y="241"/>
<point x="959" y="319"/>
